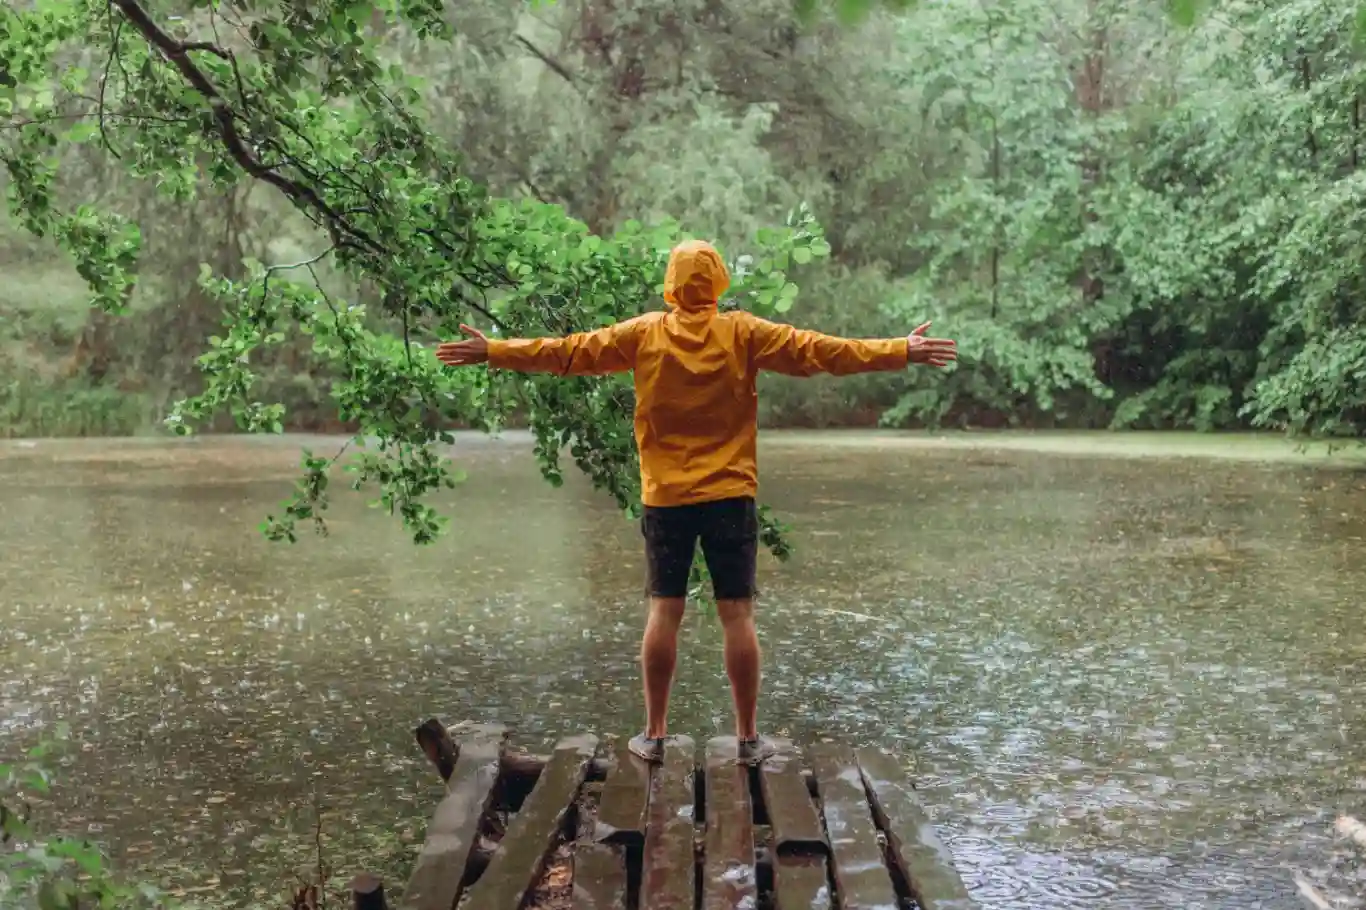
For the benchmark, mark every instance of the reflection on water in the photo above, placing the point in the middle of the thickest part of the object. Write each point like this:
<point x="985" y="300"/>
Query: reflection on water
<point x="1122" y="682"/>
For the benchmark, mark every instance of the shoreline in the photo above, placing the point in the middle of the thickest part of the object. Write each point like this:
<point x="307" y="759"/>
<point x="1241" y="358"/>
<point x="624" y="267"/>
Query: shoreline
<point x="1268" y="448"/>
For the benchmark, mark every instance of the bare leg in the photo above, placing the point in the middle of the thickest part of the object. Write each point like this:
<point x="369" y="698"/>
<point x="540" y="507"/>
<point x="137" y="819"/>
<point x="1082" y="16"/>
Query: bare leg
<point x="658" y="658"/>
<point x="742" y="662"/>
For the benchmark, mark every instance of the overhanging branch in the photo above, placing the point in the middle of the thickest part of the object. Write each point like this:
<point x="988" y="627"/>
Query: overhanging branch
<point x="177" y="53"/>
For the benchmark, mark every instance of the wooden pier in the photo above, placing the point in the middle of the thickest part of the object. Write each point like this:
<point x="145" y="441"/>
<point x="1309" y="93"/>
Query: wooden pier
<point x="591" y="827"/>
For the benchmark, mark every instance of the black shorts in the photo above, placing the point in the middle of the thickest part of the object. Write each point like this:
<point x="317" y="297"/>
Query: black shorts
<point x="729" y="532"/>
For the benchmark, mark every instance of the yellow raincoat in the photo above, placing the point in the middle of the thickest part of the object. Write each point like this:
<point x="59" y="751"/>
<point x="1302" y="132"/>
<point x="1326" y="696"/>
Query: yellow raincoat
<point x="695" y="371"/>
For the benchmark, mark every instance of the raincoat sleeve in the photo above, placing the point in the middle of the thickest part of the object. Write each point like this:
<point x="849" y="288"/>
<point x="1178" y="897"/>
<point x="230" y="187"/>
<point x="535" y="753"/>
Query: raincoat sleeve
<point x="607" y="350"/>
<point x="784" y="349"/>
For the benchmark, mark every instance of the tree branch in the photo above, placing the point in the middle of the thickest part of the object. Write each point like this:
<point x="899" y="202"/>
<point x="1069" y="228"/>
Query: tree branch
<point x="554" y="65"/>
<point x="177" y="54"/>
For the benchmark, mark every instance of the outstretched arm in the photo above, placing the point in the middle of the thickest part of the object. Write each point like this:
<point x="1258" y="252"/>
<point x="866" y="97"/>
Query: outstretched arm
<point x="607" y="350"/>
<point x="797" y="352"/>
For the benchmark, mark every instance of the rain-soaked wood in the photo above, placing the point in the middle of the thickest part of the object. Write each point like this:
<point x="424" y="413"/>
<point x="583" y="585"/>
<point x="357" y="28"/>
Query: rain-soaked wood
<point x="862" y="879"/>
<point x="367" y="893"/>
<point x="668" y="881"/>
<point x="800" y="882"/>
<point x="533" y="832"/>
<point x="728" y="881"/>
<point x="792" y="813"/>
<point x="519" y="769"/>
<point x="621" y="812"/>
<point x="436" y="743"/>
<point x="924" y="861"/>
<point x="599" y="877"/>
<point x="441" y="867"/>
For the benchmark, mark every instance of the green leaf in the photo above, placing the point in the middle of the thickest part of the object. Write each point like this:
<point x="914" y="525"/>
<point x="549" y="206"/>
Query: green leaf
<point x="1183" y="12"/>
<point x="801" y="255"/>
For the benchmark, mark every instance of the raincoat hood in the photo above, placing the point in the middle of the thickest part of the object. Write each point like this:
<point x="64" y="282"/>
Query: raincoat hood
<point x="696" y="277"/>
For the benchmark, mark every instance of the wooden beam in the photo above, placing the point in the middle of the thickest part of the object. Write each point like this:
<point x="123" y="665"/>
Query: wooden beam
<point x="534" y="831"/>
<point x="669" y="877"/>
<point x="440" y="872"/>
<point x="862" y="879"/>
<point x="728" y="880"/>
<point x="921" y="857"/>
<point x="621" y="811"/>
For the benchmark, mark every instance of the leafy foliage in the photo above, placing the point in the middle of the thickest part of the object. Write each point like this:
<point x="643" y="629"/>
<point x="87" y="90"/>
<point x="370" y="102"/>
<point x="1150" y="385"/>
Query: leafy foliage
<point x="309" y="98"/>
<point x="1127" y="219"/>
<point x="56" y="873"/>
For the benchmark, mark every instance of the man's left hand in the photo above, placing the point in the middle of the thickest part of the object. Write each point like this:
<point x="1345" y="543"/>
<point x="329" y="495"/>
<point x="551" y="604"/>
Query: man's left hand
<point x="474" y="349"/>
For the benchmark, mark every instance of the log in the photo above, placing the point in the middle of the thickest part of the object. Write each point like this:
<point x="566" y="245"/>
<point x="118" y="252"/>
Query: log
<point x="367" y="893"/>
<point x="518" y="769"/>
<point x="436" y="743"/>
<point x="442" y="867"/>
<point x="533" y="833"/>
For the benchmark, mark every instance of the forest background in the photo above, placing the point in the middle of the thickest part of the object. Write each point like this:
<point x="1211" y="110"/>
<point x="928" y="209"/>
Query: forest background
<point x="1125" y="221"/>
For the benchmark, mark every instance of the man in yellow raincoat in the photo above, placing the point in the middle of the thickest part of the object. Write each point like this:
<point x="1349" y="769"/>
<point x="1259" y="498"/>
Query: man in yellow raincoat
<point x="696" y="426"/>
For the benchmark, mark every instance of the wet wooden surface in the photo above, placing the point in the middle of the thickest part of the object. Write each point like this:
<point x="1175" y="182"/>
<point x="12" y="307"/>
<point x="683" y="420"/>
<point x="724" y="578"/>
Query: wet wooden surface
<point x="792" y="814"/>
<point x="621" y="812"/>
<point x="863" y="842"/>
<point x="861" y="877"/>
<point x="436" y="879"/>
<point x="521" y="856"/>
<point x="599" y="877"/>
<point x="800" y="882"/>
<point x="728" y="881"/>
<point x="924" y="860"/>
<point x="668" y="877"/>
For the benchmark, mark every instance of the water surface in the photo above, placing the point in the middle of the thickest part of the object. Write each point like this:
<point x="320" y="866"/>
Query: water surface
<point x="1122" y="682"/>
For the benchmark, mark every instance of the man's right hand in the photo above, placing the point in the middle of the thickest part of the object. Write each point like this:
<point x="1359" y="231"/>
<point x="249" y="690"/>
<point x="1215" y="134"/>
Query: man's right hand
<point x="935" y="352"/>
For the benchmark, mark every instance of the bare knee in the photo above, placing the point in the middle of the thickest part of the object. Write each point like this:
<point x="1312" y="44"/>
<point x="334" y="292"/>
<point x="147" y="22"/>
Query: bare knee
<point x="667" y="612"/>
<point x="735" y="613"/>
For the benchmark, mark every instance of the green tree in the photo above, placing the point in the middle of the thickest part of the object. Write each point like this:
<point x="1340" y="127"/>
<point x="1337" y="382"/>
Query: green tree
<point x="309" y="99"/>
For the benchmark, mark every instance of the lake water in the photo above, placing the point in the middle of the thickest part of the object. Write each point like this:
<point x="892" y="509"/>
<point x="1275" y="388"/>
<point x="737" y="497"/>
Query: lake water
<point x="1130" y="682"/>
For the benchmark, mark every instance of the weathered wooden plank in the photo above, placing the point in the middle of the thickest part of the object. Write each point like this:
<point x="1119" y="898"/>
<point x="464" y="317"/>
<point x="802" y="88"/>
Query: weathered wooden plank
<point x="862" y="879"/>
<point x="792" y="814"/>
<point x="435" y="882"/>
<point x="436" y="743"/>
<point x="599" y="877"/>
<point x="728" y="881"/>
<point x="800" y="882"/>
<point x="621" y="812"/>
<point x="668" y="882"/>
<point x="521" y="855"/>
<point x="924" y="860"/>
